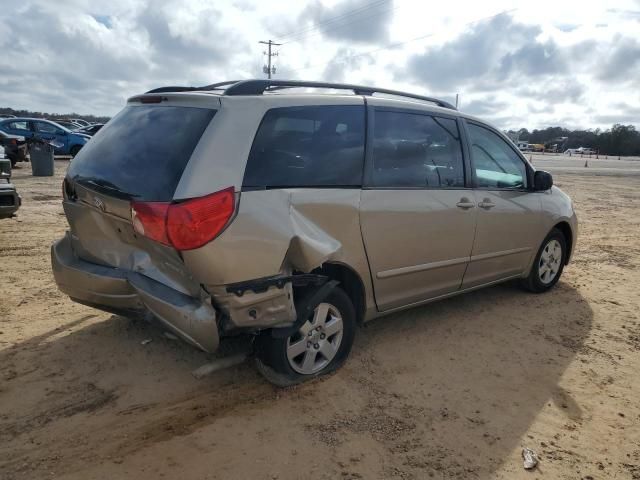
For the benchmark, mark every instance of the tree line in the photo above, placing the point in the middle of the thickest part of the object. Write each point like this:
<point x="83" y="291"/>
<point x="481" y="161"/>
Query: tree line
<point x="618" y="140"/>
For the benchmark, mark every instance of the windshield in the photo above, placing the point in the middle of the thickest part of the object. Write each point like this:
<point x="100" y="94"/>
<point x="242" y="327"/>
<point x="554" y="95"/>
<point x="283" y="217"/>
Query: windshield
<point x="142" y="151"/>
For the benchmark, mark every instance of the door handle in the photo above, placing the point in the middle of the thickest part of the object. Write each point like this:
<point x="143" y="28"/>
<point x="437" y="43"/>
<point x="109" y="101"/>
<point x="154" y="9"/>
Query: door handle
<point x="486" y="204"/>
<point x="465" y="203"/>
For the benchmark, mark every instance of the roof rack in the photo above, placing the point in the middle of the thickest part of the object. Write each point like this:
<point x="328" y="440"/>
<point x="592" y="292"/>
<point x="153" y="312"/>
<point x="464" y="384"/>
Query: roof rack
<point x="260" y="86"/>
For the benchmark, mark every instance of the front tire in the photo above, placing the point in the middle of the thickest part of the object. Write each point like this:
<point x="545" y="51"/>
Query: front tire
<point x="320" y="347"/>
<point x="549" y="263"/>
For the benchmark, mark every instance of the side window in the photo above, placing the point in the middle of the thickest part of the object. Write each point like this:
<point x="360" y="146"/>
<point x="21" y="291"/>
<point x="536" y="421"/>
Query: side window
<point x="46" y="127"/>
<point x="496" y="164"/>
<point x="315" y="146"/>
<point x="416" y="150"/>
<point x="20" y="125"/>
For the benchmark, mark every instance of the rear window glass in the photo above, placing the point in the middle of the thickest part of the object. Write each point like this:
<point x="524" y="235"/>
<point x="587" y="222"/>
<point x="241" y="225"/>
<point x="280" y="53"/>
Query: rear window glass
<point x="317" y="146"/>
<point x="142" y="151"/>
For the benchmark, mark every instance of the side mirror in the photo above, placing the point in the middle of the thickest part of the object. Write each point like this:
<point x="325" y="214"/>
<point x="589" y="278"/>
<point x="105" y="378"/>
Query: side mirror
<point x="542" y="181"/>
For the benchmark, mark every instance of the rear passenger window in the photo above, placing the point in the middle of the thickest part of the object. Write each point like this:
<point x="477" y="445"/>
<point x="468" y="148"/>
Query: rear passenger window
<point x="416" y="151"/>
<point x="318" y="146"/>
<point x="19" y="125"/>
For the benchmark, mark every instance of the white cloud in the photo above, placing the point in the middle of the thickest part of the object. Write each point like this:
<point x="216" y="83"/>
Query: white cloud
<point x="537" y="64"/>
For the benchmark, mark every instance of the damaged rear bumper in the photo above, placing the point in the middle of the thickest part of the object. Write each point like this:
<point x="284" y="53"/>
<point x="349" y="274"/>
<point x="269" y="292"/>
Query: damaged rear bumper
<point x="117" y="290"/>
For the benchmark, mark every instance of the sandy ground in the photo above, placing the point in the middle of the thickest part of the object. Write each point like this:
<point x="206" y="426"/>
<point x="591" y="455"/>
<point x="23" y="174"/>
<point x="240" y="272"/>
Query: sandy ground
<point x="451" y="390"/>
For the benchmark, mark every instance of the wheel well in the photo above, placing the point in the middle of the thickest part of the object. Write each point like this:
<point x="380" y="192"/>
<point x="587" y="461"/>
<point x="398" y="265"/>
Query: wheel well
<point x="568" y="235"/>
<point x="350" y="282"/>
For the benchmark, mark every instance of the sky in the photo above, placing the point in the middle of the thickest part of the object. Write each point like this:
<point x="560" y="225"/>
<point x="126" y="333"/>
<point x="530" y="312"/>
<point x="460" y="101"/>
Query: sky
<point x="529" y="64"/>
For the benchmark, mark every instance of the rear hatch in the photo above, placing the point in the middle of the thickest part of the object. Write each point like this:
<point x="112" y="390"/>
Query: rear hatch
<point x="137" y="159"/>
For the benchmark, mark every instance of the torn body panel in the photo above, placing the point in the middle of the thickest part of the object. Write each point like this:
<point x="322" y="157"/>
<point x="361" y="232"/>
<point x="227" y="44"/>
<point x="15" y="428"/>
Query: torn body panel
<point x="299" y="231"/>
<point x="269" y="308"/>
<point x="118" y="290"/>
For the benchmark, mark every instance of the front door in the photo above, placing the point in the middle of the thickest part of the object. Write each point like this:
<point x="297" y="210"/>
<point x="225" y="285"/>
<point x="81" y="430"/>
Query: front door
<point x="508" y="212"/>
<point x="48" y="131"/>
<point x="416" y="215"/>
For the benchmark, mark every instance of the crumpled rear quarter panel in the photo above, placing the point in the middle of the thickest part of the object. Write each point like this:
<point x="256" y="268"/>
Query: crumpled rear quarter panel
<point x="284" y="230"/>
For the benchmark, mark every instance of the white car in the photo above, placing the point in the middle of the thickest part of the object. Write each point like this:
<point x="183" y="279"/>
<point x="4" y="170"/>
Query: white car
<point x="580" y="151"/>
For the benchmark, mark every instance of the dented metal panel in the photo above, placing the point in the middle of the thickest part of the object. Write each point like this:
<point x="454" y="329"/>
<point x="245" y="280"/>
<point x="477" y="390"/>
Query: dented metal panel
<point x="271" y="308"/>
<point x="103" y="235"/>
<point x="119" y="290"/>
<point x="299" y="230"/>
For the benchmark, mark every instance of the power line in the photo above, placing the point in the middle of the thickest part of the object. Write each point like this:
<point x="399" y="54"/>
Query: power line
<point x="339" y="26"/>
<point x="398" y="44"/>
<point x="333" y="19"/>
<point x="267" y="68"/>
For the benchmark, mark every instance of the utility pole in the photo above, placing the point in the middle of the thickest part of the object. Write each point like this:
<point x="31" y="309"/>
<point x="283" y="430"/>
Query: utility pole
<point x="267" y="68"/>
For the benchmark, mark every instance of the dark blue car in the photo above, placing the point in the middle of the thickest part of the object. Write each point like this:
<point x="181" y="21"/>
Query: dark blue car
<point x="71" y="142"/>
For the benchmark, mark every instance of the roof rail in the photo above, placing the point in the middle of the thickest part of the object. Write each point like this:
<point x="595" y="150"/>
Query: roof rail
<point x="259" y="86"/>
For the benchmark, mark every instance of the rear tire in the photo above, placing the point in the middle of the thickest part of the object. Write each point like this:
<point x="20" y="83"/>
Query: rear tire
<point x="548" y="264"/>
<point x="320" y="347"/>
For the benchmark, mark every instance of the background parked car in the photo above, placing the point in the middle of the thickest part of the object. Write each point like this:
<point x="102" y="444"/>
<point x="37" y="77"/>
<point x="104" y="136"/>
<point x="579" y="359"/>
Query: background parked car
<point x="9" y="198"/>
<point x="81" y="122"/>
<point x="71" y="125"/>
<point x="90" y="129"/>
<point x="15" y="147"/>
<point x="585" y="151"/>
<point x="71" y="142"/>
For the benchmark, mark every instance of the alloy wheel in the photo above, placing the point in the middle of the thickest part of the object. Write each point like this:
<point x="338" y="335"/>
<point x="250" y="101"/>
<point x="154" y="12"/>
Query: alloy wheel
<point x="317" y="342"/>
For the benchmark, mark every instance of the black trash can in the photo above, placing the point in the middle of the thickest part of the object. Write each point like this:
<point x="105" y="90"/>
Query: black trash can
<point x="41" y="154"/>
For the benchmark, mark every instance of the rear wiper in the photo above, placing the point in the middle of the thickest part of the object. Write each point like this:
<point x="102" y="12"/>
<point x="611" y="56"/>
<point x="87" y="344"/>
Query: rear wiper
<point x="105" y="185"/>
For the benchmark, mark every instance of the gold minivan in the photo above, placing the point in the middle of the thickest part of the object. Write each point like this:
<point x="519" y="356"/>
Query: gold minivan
<point x="269" y="208"/>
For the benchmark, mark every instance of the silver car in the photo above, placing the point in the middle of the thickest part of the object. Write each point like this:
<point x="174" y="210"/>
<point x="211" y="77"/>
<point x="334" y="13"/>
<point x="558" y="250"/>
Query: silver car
<point x="247" y="207"/>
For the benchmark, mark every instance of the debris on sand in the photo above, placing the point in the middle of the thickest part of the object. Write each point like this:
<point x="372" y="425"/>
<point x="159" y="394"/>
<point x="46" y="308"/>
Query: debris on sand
<point x="530" y="458"/>
<point x="226" y="362"/>
<point x="146" y="341"/>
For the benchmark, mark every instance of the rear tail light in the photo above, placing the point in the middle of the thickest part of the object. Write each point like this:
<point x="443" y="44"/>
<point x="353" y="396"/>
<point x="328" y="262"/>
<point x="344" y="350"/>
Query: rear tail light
<point x="185" y="225"/>
<point x="149" y="219"/>
<point x="196" y="222"/>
